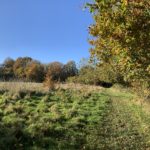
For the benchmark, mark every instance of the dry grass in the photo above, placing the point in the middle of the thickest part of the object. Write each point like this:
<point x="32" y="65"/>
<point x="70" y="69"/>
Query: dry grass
<point x="39" y="87"/>
<point x="22" y="86"/>
<point x="15" y="87"/>
<point x="145" y="105"/>
<point x="79" y="87"/>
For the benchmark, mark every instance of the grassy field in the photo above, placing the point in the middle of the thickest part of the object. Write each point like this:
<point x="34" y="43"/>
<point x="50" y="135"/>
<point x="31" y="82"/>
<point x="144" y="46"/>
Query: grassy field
<point x="27" y="87"/>
<point x="67" y="119"/>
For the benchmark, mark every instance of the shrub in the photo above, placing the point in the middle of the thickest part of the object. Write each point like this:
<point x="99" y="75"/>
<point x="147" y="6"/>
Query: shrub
<point x="94" y="76"/>
<point x="49" y="83"/>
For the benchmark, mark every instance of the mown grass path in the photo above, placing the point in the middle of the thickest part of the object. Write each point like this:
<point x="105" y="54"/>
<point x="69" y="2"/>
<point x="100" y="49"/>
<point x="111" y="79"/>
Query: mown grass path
<point x="125" y="126"/>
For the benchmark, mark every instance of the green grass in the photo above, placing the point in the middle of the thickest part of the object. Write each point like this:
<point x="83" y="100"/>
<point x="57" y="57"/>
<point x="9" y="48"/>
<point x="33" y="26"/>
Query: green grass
<point x="126" y="126"/>
<point x="64" y="119"/>
<point x="73" y="120"/>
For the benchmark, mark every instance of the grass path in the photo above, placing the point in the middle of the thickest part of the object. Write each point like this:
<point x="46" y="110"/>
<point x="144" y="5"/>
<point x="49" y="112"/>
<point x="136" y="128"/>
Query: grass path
<point x="125" y="126"/>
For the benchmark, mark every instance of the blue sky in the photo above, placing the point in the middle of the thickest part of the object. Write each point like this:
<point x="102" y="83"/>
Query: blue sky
<point x="46" y="30"/>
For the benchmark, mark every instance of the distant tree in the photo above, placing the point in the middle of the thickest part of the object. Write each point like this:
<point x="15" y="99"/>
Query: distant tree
<point x="69" y="70"/>
<point x="84" y="62"/>
<point x="85" y="69"/>
<point x="96" y="74"/>
<point x="54" y="71"/>
<point x="20" y="65"/>
<point x="35" y="71"/>
<point x="1" y="71"/>
<point x="7" y="68"/>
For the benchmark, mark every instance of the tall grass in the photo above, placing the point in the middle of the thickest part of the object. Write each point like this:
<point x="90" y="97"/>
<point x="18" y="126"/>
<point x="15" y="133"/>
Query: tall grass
<point x="39" y="87"/>
<point x="22" y="87"/>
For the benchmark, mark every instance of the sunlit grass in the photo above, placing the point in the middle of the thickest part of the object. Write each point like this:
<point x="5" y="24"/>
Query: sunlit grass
<point x="50" y="121"/>
<point x="67" y="119"/>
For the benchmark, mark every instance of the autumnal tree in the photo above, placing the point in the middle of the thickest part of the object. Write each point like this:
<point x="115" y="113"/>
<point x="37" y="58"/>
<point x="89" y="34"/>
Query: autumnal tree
<point x="35" y="71"/>
<point x="122" y="36"/>
<point x="19" y="67"/>
<point x="53" y="74"/>
<point x="54" y="71"/>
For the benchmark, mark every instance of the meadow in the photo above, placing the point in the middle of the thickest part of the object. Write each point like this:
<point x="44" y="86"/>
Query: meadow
<point x="72" y="118"/>
<point x="97" y="103"/>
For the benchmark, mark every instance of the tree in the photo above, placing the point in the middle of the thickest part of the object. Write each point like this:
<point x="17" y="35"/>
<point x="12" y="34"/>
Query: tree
<point x="35" y="71"/>
<point x="122" y="36"/>
<point x="20" y="65"/>
<point x="55" y="71"/>
<point x="69" y="70"/>
<point x="1" y="71"/>
<point x="8" y="68"/>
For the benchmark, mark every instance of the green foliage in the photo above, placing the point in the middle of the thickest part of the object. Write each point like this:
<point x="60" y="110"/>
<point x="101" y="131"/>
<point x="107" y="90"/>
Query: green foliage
<point x="121" y="36"/>
<point x="96" y="75"/>
<point x="85" y="76"/>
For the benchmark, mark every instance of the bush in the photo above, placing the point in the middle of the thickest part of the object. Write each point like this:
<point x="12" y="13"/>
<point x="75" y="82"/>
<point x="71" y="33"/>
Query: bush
<point x="49" y="83"/>
<point x="94" y="76"/>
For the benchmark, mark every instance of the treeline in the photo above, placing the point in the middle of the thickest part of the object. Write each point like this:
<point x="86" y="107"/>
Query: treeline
<point x="87" y="72"/>
<point x="28" y="69"/>
<point x="92" y="74"/>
